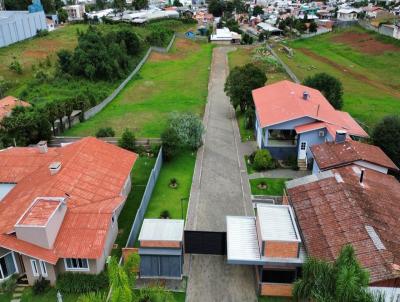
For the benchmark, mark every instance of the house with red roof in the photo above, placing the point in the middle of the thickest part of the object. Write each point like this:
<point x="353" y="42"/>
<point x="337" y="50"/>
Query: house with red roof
<point x="351" y="206"/>
<point x="8" y="103"/>
<point x="290" y="118"/>
<point x="332" y="155"/>
<point x="59" y="207"/>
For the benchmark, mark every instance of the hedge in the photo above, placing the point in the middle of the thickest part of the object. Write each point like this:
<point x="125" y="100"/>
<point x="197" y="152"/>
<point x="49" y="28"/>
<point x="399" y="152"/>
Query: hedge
<point x="78" y="283"/>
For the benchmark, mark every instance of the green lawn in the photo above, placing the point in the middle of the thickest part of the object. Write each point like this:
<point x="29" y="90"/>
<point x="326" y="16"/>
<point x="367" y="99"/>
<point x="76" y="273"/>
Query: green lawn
<point x="176" y="81"/>
<point x="5" y="297"/>
<point x="140" y="174"/>
<point x="166" y="198"/>
<point x="275" y="186"/>
<point x="245" y="134"/>
<point x="179" y="297"/>
<point x="371" y="81"/>
<point x="50" y="295"/>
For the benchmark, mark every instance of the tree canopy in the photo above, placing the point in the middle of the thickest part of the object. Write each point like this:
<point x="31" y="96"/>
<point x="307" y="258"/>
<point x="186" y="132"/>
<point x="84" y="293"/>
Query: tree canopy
<point x="258" y="10"/>
<point x="385" y="135"/>
<point x="343" y="280"/>
<point x="216" y="7"/>
<point x="241" y="82"/>
<point x="329" y="86"/>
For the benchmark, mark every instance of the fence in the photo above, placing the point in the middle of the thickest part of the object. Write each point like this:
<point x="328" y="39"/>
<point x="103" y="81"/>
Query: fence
<point x="58" y="141"/>
<point x="287" y="69"/>
<point x="137" y="223"/>
<point x="96" y="109"/>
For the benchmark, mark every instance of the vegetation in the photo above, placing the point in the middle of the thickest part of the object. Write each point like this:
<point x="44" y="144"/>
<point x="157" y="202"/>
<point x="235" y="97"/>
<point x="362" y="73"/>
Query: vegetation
<point x="329" y="86"/>
<point x="49" y="295"/>
<point x="127" y="140"/>
<point x="258" y="10"/>
<point x="40" y="286"/>
<point x="189" y="129"/>
<point x="369" y="75"/>
<point x="77" y="283"/>
<point x="170" y="143"/>
<point x="343" y="280"/>
<point x="263" y="160"/>
<point x="105" y="132"/>
<point x="385" y="136"/>
<point x="216" y="7"/>
<point x="171" y="199"/>
<point x="164" y="84"/>
<point x="274" y="186"/>
<point x="9" y="285"/>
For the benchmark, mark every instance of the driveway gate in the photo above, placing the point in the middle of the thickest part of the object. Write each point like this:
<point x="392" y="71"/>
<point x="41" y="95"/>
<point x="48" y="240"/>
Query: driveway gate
<point x="201" y="242"/>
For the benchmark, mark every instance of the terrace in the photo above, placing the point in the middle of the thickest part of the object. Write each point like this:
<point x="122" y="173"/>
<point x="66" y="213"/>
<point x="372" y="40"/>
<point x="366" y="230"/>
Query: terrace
<point x="277" y="138"/>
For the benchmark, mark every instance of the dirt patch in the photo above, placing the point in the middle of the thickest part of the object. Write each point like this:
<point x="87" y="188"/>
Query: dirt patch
<point x="38" y="54"/>
<point x="183" y="46"/>
<point x="344" y="70"/>
<point x="43" y="48"/>
<point x="364" y="43"/>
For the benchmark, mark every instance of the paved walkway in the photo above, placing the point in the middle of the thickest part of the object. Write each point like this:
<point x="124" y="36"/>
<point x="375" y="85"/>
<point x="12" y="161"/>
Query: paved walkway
<point x="280" y="173"/>
<point x="220" y="188"/>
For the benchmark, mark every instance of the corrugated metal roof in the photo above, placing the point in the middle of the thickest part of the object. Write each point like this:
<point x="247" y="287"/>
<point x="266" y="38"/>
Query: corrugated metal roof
<point x="242" y="240"/>
<point x="277" y="223"/>
<point x="162" y="229"/>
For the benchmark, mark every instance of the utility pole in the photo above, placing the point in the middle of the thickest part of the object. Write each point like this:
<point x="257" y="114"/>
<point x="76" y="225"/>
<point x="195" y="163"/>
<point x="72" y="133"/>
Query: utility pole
<point x="2" y="6"/>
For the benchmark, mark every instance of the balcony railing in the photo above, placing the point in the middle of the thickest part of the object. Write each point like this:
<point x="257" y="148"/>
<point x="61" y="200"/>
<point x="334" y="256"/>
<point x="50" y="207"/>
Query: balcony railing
<point x="282" y="143"/>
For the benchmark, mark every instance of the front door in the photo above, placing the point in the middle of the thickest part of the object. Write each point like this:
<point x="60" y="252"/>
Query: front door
<point x="303" y="150"/>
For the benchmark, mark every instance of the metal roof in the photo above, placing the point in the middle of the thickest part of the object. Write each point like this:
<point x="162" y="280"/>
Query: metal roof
<point x="242" y="240"/>
<point x="162" y="230"/>
<point x="277" y="223"/>
<point x="160" y="251"/>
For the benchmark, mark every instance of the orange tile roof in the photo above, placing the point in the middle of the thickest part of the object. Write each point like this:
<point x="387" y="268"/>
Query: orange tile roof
<point x="93" y="174"/>
<point x="8" y="103"/>
<point x="283" y="101"/>
<point x="332" y="213"/>
<point x="39" y="213"/>
<point x="329" y="155"/>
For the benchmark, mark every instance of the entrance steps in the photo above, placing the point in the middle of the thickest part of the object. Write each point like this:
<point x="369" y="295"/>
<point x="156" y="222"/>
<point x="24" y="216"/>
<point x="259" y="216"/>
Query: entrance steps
<point x="302" y="164"/>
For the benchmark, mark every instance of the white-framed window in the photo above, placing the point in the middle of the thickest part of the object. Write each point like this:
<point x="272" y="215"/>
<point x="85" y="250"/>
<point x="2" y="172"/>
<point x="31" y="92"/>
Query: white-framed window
<point x="43" y="268"/>
<point x="321" y="133"/>
<point x="35" y="269"/>
<point x="76" y="264"/>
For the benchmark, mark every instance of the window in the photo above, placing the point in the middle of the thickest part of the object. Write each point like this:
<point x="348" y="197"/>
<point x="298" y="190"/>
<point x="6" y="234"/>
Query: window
<point x="35" y="271"/>
<point x="76" y="264"/>
<point x="303" y="145"/>
<point x="321" y="133"/>
<point x="43" y="268"/>
<point x="7" y="266"/>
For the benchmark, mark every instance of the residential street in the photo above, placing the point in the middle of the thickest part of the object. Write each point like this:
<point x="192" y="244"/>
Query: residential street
<point x="220" y="188"/>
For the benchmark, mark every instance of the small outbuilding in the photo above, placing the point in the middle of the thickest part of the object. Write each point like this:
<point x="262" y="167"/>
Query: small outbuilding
<point x="161" y="248"/>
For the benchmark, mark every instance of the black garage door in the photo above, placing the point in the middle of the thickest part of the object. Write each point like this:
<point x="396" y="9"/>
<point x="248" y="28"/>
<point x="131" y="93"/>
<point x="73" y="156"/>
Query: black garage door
<point x="200" y="242"/>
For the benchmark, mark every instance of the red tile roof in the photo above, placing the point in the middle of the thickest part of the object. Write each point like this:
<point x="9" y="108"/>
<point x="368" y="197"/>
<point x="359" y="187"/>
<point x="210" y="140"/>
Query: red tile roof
<point x="330" y="154"/>
<point x="335" y="211"/>
<point x="93" y="174"/>
<point x="8" y="103"/>
<point x="40" y="212"/>
<point x="283" y="101"/>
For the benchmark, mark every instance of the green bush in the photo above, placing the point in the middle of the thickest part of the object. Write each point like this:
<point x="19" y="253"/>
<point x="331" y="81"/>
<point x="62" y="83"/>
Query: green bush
<point x="127" y="140"/>
<point x="78" y="283"/>
<point x="40" y="286"/>
<point x="42" y="32"/>
<point x="105" y="132"/>
<point x="9" y="285"/>
<point x="15" y="66"/>
<point x="263" y="160"/>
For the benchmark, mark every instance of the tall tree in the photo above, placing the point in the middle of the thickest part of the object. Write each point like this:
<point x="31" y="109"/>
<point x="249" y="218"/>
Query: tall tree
<point x="258" y="10"/>
<point x="140" y="4"/>
<point x="241" y="82"/>
<point x="343" y="280"/>
<point x="385" y="136"/>
<point x="216" y="8"/>
<point x="329" y="86"/>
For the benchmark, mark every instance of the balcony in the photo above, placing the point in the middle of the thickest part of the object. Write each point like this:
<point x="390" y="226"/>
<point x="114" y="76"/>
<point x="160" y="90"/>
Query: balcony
<point x="282" y="138"/>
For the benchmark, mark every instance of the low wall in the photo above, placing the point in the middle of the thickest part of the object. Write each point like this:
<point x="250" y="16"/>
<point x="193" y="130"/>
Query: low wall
<point x="276" y="289"/>
<point x="96" y="109"/>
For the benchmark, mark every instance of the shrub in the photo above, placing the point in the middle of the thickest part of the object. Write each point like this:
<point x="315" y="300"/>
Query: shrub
<point x="189" y="129"/>
<point x="40" y="286"/>
<point x="105" y="132"/>
<point x="170" y="143"/>
<point x="9" y="285"/>
<point x="173" y="182"/>
<point x="127" y="140"/>
<point x="165" y="214"/>
<point x="42" y="32"/>
<point x="15" y="66"/>
<point x="263" y="160"/>
<point x="77" y="283"/>
<point x="385" y="136"/>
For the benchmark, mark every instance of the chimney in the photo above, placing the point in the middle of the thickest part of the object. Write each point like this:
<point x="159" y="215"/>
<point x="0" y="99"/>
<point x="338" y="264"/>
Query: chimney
<point x="55" y="167"/>
<point x="362" y="176"/>
<point x="306" y="95"/>
<point x="42" y="146"/>
<point x="340" y="136"/>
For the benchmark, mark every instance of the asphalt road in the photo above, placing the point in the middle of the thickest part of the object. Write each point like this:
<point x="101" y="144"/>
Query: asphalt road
<point x="219" y="188"/>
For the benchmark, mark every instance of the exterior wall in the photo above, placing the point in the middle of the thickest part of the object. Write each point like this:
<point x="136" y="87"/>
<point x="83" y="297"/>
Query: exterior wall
<point x="315" y="168"/>
<point x="43" y="236"/>
<point x="51" y="273"/>
<point x="281" y="249"/>
<point x="372" y="166"/>
<point x="282" y="152"/>
<point x="112" y="236"/>
<point x="276" y="289"/>
<point x="127" y="186"/>
<point x="312" y="138"/>
<point x="18" y="26"/>
<point x="171" y="244"/>
<point x="60" y="267"/>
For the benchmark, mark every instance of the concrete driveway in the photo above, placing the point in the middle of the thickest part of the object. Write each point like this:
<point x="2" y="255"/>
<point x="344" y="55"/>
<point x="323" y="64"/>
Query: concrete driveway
<point x="220" y="188"/>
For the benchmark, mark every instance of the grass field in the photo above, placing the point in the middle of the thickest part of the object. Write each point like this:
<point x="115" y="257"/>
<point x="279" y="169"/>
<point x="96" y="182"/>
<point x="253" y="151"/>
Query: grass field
<point x="367" y="64"/>
<point x="166" y="198"/>
<point x="275" y="186"/>
<point x="176" y="81"/>
<point x="140" y="175"/>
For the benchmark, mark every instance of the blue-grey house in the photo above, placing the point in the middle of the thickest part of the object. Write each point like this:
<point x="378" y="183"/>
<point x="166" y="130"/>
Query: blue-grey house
<point x="290" y="118"/>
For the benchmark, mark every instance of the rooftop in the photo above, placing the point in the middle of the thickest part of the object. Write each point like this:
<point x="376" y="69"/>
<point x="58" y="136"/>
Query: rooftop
<point x="277" y="223"/>
<point x="337" y="209"/>
<point x="162" y="230"/>
<point x="40" y="212"/>
<point x="331" y="154"/>
<point x="284" y="101"/>
<point x="8" y="103"/>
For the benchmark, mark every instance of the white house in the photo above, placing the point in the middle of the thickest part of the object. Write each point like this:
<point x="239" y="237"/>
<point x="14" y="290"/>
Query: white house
<point x="348" y="14"/>
<point x="75" y="12"/>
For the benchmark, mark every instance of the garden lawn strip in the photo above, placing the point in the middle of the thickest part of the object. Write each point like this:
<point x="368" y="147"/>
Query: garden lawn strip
<point x="275" y="186"/>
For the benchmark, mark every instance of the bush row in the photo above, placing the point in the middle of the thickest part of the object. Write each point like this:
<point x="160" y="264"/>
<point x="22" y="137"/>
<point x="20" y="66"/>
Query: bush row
<point x="78" y="283"/>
